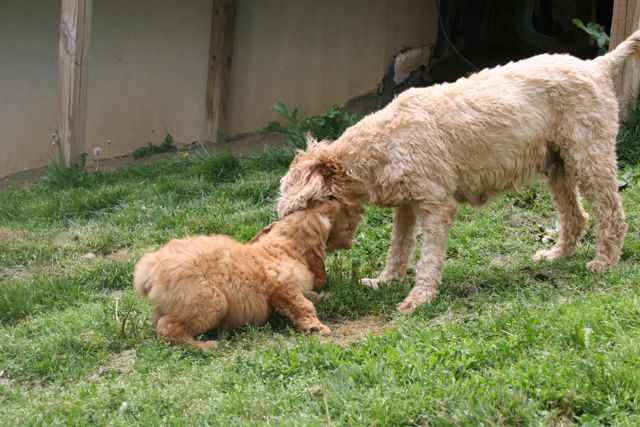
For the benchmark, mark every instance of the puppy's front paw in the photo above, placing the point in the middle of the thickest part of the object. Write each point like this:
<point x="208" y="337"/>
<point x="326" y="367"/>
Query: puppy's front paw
<point x="321" y="329"/>
<point x="370" y="283"/>
<point x="208" y="345"/>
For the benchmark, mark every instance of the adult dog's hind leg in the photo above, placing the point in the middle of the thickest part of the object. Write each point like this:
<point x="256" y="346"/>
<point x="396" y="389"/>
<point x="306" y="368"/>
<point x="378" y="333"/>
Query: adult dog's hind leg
<point x="438" y="220"/>
<point x="403" y="243"/>
<point x="597" y="177"/>
<point x="572" y="219"/>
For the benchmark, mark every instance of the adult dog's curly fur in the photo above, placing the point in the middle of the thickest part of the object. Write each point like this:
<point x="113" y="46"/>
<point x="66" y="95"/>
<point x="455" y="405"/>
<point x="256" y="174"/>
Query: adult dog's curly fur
<point x="213" y="282"/>
<point x="466" y="142"/>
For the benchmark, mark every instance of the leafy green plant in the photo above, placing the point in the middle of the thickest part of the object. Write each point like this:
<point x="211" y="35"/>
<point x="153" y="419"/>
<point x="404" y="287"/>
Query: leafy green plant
<point x="596" y="31"/>
<point x="328" y="126"/>
<point x="325" y="127"/>
<point x="167" y="146"/>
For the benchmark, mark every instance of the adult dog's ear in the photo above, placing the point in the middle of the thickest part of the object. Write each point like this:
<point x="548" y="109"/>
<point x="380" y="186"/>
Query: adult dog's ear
<point x="262" y="232"/>
<point x="315" y="262"/>
<point x="309" y="178"/>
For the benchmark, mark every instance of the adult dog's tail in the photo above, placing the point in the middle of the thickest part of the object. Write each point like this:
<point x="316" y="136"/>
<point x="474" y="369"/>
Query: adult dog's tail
<point x="613" y="60"/>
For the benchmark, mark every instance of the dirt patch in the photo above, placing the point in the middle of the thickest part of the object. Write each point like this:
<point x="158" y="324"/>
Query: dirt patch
<point x="112" y="256"/>
<point x="121" y="363"/>
<point x="353" y="330"/>
<point x="7" y="234"/>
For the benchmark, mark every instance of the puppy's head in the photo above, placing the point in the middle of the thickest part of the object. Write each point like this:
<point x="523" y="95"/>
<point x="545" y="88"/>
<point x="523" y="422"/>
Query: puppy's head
<point x="310" y="177"/>
<point x="320" y="216"/>
<point x="344" y="228"/>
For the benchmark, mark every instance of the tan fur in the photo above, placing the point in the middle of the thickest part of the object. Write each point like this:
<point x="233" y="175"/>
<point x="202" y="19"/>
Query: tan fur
<point x="206" y="282"/>
<point x="552" y="116"/>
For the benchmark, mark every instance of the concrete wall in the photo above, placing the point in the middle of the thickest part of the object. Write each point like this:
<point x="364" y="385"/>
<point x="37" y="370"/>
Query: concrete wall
<point x="313" y="54"/>
<point x="148" y="66"/>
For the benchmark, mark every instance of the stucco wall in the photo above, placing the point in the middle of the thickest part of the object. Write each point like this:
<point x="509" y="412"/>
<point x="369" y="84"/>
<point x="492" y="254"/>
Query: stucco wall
<point x="313" y="54"/>
<point x="147" y="76"/>
<point x="148" y="66"/>
<point x="147" y="72"/>
<point x="28" y="79"/>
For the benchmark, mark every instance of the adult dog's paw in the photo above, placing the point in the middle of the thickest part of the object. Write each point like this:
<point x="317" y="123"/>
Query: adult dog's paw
<point x="596" y="265"/>
<point x="418" y="296"/>
<point x="371" y="283"/>
<point x="547" y="254"/>
<point x="407" y="306"/>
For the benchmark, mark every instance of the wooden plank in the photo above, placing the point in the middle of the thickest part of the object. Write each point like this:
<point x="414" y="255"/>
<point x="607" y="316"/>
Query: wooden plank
<point x="626" y="19"/>
<point x="219" y="73"/>
<point x="75" y="32"/>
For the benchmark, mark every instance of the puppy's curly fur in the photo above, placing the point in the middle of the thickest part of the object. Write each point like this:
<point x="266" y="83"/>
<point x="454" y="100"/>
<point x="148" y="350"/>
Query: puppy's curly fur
<point x="430" y="149"/>
<point x="213" y="282"/>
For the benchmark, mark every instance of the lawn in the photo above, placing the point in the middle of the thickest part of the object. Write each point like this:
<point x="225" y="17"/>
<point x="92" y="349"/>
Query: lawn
<point x="507" y="341"/>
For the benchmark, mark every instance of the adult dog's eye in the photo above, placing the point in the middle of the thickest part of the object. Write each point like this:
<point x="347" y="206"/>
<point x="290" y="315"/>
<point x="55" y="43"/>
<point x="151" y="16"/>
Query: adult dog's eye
<point x="331" y="197"/>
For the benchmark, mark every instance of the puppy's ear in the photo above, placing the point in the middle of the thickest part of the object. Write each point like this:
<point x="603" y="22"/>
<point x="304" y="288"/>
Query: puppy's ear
<point x="315" y="262"/>
<point x="262" y="232"/>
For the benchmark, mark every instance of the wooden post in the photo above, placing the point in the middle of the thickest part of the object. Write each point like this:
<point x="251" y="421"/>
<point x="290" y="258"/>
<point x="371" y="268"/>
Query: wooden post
<point x="75" y="32"/>
<point x="218" y="76"/>
<point x="626" y="19"/>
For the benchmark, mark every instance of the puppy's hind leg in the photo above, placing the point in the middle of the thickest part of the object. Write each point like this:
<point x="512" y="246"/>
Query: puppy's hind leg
<point x="206" y="312"/>
<point x="572" y="218"/>
<point x="403" y="242"/>
<point x="291" y="303"/>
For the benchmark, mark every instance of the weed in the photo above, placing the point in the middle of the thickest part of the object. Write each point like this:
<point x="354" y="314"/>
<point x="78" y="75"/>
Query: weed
<point x="167" y="146"/>
<point x="324" y="127"/>
<point x="596" y="32"/>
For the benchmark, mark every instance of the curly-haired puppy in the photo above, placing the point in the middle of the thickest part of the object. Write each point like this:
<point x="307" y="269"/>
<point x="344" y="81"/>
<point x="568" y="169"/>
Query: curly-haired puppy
<point x="433" y="148"/>
<point x="213" y="282"/>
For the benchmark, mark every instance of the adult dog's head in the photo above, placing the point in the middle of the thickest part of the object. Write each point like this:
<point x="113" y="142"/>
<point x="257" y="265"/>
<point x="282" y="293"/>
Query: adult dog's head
<point x="318" y="173"/>
<point x="311" y="176"/>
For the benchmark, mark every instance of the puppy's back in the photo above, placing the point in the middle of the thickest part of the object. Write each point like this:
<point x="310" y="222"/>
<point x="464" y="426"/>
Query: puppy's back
<point x="182" y="263"/>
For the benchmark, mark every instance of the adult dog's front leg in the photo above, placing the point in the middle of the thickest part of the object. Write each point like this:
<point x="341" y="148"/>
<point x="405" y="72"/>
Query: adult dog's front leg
<point x="403" y="242"/>
<point x="438" y="220"/>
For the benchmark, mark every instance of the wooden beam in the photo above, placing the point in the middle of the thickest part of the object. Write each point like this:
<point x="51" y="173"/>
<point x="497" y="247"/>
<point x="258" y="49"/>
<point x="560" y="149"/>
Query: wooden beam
<point x="219" y="73"/>
<point x="75" y="32"/>
<point x="626" y="19"/>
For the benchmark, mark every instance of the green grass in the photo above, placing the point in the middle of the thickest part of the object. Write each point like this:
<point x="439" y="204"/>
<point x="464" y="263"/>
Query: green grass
<point x="507" y="341"/>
